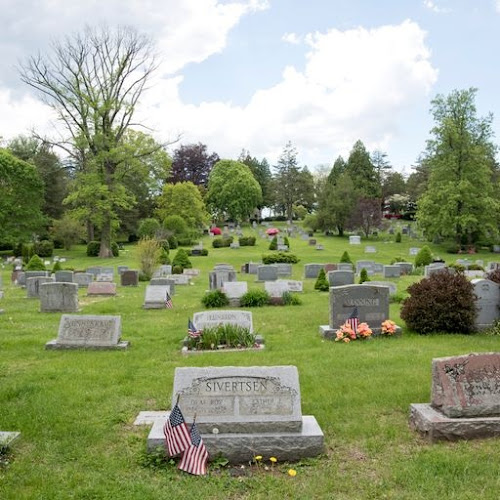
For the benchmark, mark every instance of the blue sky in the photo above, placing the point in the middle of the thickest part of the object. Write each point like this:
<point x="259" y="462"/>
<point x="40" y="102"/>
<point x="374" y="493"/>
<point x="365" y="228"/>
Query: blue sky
<point x="255" y="74"/>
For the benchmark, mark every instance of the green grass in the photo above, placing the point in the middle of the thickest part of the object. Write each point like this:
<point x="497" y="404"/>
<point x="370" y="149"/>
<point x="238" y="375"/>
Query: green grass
<point x="75" y="409"/>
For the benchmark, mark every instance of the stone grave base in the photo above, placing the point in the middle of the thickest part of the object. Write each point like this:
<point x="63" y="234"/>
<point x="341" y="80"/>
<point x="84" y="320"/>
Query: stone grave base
<point x="240" y="448"/>
<point x="234" y="302"/>
<point x="7" y="438"/>
<point x="54" y="345"/>
<point x="329" y="333"/>
<point x="435" y="426"/>
<point x="154" y="305"/>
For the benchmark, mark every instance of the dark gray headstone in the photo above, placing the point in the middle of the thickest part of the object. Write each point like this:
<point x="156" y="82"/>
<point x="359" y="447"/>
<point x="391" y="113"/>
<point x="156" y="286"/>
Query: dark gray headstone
<point x="83" y="280"/>
<point x="312" y="270"/>
<point x="33" y="285"/>
<point x="392" y="271"/>
<point x="487" y="303"/>
<point x="129" y="277"/>
<point x="340" y="278"/>
<point x="64" y="276"/>
<point x="267" y="273"/>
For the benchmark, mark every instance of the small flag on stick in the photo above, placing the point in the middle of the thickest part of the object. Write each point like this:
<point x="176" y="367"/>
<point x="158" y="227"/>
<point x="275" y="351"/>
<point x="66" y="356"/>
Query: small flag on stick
<point x="176" y="432"/>
<point x="353" y="320"/>
<point x="193" y="332"/>
<point x="194" y="458"/>
<point x="168" y="301"/>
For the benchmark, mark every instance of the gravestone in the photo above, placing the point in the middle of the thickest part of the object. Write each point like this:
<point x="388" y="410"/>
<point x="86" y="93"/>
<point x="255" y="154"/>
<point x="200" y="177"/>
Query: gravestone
<point x="492" y="266"/>
<point x="104" y="288"/>
<point x="435" y="267"/>
<point x="282" y="248"/>
<point x="487" y="303"/>
<point x="163" y="282"/>
<point x="219" y="276"/>
<point x="370" y="301"/>
<point x="8" y="438"/>
<point x="496" y="248"/>
<point x="252" y="267"/>
<point x="267" y="273"/>
<point x="234" y="291"/>
<point x="354" y="240"/>
<point x="319" y="247"/>
<point x="95" y="271"/>
<point x="276" y="289"/>
<point x="465" y="399"/>
<point x="164" y="270"/>
<point x="244" y="411"/>
<point x="179" y="279"/>
<point x="64" y="276"/>
<point x="344" y="266"/>
<point x="392" y="271"/>
<point x="340" y="278"/>
<point x="369" y="265"/>
<point x="378" y="268"/>
<point x="312" y="242"/>
<point x="154" y="297"/>
<point x="122" y="269"/>
<point x="20" y="278"/>
<point x="83" y="280"/>
<point x="191" y="272"/>
<point x="292" y="285"/>
<point x="389" y="284"/>
<point x="283" y="269"/>
<point x="33" y="285"/>
<point x="312" y="270"/>
<point x="370" y="249"/>
<point x="330" y="267"/>
<point x="105" y="277"/>
<point x="414" y="251"/>
<point x="210" y="319"/>
<point x="58" y="297"/>
<point x="88" y="332"/>
<point x="235" y="245"/>
<point x="129" y="277"/>
<point x="406" y="267"/>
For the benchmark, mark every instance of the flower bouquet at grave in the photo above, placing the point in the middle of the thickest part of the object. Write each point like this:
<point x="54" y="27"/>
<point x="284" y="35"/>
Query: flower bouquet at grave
<point x="388" y="327"/>
<point x="346" y="332"/>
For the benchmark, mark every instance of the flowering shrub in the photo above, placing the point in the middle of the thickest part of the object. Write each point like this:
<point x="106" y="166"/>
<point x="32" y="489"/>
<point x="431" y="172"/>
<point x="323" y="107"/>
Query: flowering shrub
<point x="388" y="327"/>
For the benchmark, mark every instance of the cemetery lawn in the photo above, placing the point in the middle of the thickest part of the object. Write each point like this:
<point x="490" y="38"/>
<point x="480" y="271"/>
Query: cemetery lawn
<point x="75" y="409"/>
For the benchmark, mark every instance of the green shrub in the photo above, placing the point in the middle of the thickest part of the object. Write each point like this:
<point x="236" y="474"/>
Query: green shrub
<point x="115" y="249"/>
<point x="398" y="237"/>
<point x="44" y="248"/>
<point x="164" y="244"/>
<point x="286" y="241"/>
<point x="185" y="242"/>
<point x="57" y="267"/>
<point x="397" y="259"/>
<point x="35" y="264"/>
<point x="443" y="302"/>
<point x="182" y="259"/>
<point x="222" y="242"/>
<point x="321" y="282"/>
<point x="247" y="241"/>
<point x="143" y="276"/>
<point x="148" y="228"/>
<point x="215" y="298"/>
<point x="204" y="253"/>
<point x="458" y="267"/>
<point x="453" y="248"/>
<point x="398" y="297"/>
<point x="227" y="336"/>
<point x="363" y="276"/>
<point x="164" y="258"/>
<point x="274" y="243"/>
<point x="28" y="250"/>
<point x="280" y="257"/>
<point x="177" y="270"/>
<point x="346" y="258"/>
<point x="423" y="257"/>
<point x="175" y="224"/>
<point x="291" y="299"/>
<point x="148" y="252"/>
<point x="255" y="298"/>
<point x="93" y="248"/>
<point x="172" y="242"/>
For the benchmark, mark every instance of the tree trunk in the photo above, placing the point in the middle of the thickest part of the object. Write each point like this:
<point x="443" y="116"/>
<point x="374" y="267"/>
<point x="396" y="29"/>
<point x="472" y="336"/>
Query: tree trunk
<point x="105" y="249"/>
<point x="340" y="230"/>
<point x="90" y="231"/>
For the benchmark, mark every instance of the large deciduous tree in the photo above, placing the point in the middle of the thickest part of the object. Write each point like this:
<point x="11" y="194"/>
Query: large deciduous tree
<point x="183" y="199"/>
<point x="262" y="173"/>
<point x="233" y="190"/>
<point x="93" y="81"/>
<point x="192" y="163"/>
<point x="21" y="199"/>
<point x="459" y="202"/>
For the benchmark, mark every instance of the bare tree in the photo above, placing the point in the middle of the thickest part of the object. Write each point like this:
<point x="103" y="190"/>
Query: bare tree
<point x="94" y="81"/>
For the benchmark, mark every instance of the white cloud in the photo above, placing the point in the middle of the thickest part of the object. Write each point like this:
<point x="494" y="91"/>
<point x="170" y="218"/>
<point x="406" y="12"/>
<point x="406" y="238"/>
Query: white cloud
<point x="497" y="5"/>
<point x="292" y="38"/>
<point x="429" y="4"/>
<point x="355" y="85"/>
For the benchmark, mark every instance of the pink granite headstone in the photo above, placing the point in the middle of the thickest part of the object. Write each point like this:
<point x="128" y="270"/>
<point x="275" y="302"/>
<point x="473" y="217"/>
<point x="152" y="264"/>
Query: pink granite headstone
<point x="101" y="288"/>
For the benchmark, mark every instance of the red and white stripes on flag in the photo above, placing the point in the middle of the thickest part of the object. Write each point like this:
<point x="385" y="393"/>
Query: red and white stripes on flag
<point x="195" y="457"/>
<point x="176" y="433"/>
<point x="353" y="320"/>
<point x="168" y="301"/>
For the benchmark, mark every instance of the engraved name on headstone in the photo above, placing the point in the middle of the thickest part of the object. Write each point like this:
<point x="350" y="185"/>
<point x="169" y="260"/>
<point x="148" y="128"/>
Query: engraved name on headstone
<point x="210" y="319"/>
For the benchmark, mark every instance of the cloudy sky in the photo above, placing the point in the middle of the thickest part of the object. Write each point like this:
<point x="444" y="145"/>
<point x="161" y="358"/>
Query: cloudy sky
<point x="255" y="74"/>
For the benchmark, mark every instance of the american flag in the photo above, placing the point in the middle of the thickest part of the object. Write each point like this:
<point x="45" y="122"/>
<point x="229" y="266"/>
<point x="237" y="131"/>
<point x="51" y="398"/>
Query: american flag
<point x="168" y="301"/>
<point x="194" y="459"/>
<point x="353" y="320"/>
<point x="176" y="432"/>
<point x="193" y="332"/>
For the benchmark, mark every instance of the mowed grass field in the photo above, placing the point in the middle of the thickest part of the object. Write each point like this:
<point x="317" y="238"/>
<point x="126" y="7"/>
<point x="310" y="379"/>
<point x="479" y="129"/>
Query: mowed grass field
<point x="75" y="409"/>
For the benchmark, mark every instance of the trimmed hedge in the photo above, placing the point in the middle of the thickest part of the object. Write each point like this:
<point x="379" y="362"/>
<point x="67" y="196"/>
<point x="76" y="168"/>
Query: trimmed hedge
<point x="280" y="257"/>
<point x="247" y="241"/>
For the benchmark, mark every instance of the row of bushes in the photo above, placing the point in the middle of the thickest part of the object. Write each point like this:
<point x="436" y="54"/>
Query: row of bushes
<point x="280" y="257"/>
<point x="244" y="241"/>
<point x="253" y="298"/>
